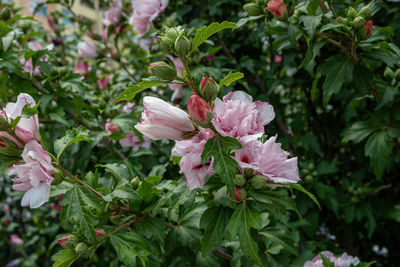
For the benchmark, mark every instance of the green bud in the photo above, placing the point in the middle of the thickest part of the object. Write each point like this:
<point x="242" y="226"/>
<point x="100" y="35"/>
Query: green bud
<point x="354" y="199"/>
<point x="248" y="173"/>
<point x="366" y="12"/>
<point x="135" y="182"/>
<point x="311" y="166"/>
<point x="309" y="178"/>
<point x="397" y="74"/>
<point x="163" y="71"/>
<point x="243" y="194"/>
<point x="351" y="13"/>
<point x="58" y="178"/>
<point x="306" y="171"/>
<point x="240" y="180"/>
<point x="81" y="248"/>
<point x="5" y="14"/>
<point x="209" y="88"/>
<point x="314" y="173"/>
<point x="358" y="22"/>
<point x="165" y="43"/>
<point x="252" y="9"/>
<point x="182" y="46"/>
<point x="389" y="73"/>
<point x="258" y="181"/>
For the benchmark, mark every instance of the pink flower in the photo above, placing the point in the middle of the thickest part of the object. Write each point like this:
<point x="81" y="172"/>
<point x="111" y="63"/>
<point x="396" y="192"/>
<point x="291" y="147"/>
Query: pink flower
<point x="104" y="34"/>
<point x="163" y="121"/>
<point x="82" y="68"/>
<point x="368" y="27"/>
<point x="238" y="197"/>
<point x="343" y="261"/>
<point x="269" y="160"/>
<point x="99" y="232"/>
<point x="102" y="83"/>
<point x="63" y="240"/>
<point x="190" y="150"/>
<point x="277" y="58"/>
<point x="239" y="117"/>
<point x="16" y="240"/>
<point x="113" y="15"/>
<point x="198" y="109"/>
<point x="28" y="64"/>
<point x="210" y="57"/>
<point x="87" y="50"/>
<point x="34" y="175"/>
<point x="27" y="128"/>
<point x="277" y="8"/>
<point x="128" y="107"/>
<point x="177" y="88"/>
<point x="110" y="127"/>
<point x="144" y="12"/>
<point x="133" y="141"/>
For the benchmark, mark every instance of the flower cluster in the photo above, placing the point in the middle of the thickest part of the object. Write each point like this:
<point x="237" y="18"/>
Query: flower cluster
<point x="236" y="116"/>
<point x="341" y="261"/>
<point x="34" y="174"/>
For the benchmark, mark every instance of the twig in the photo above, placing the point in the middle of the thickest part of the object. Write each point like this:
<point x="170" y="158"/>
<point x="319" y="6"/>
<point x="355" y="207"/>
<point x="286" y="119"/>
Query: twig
<point x="383" y="187"/>
<point x="333" y="10"/>
<point x="70" y="175"/>
<point x="223" y="255"/>
<point x="323" y="6"/>
<point x="189" y="76"/>
<point x="125" y="225"/>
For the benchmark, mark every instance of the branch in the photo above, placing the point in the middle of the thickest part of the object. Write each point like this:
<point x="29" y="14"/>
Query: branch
<point x="189" y="77"/>
<point x="323" y="6"/>
<point x="223" y="255"/>
<point x="333" y="11"/>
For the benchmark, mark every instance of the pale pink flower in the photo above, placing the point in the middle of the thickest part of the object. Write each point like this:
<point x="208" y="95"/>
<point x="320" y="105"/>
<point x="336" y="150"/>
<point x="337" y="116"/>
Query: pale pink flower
<point x="128" y="107"/>
<point x="177" y="88"/>
<point x="113" y="15"/>
<point x="102" y="83"/>
<point x="239" y="117"/>
<point x="163" y="121"/>
<point x="27" y="128"/>
<point x="144" y="12"/>
<point x="111" y="127"/>
<point x="133" y="141"/>
<point x="277" y="8"/>
<point x="87" y="50"/>
<point x="343" y="261"/>
<point x="346" y="260"/>
<point x="34" y="175"/>
<point x="82" y="68"/>
<point x="28" y="64"/>
<point x="16" y="240"/>
<point x="277" y="58"/>
<point x="190" y="150"/>
<point x="269" y="160"/>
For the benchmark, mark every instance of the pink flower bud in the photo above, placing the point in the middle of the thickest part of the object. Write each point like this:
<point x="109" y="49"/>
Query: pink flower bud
<point x="63" y="240"/>
<point x="99" y="232"/>
<point x="237" y="194"/>
<point x="368" y="27"/>
<point x="198" y="109"/>
<point x="205" y="81"/>
<point x="102" y="83"/>
<point x="16" y="240"/>
<point x="277" y="8"/>
<point x="82" y="68"/>
<point x="110" y="127"/>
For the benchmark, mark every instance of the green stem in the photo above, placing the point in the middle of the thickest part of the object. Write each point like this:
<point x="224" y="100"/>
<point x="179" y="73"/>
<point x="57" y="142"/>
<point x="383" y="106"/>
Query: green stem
<point x="189" y="77"/>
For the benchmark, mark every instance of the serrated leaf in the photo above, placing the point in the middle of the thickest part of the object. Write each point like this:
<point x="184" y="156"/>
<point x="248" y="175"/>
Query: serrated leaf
<point x="205" y="32"/>
<point x="214" y="220"/>
<point x="378" y="148"/>
<point x="133" y="89"/>
<point x="73" y="136"/>
<point x="310" y="195"/>
<point x="311" y="23"/>
<point x="230" y="78"/>
<point x="66" y="258"/>
<point x="359" y="131"/>
<point x="273" y="238"/>
<point x="218" y="147"/>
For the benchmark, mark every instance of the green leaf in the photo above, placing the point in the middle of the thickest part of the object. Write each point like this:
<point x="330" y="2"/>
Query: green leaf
<point x="133" y="89"/>
<point x="130" y="246"/>
<point x="205" y="32"/>
<point x="338" y="71"/>
<point x="78" y="207"/>
<point x="311" y="23"/>
<point x="65" y="258"/>
<point x="359" y="131"/>
<point x="230" y="78"/>
<point x="243" y="21"/>
<point x="378" y="148"/>
<point x="4" y="29"/>
<point x="214" y="220"/>
<point x="73" y="136"/>
<point x="270" y="235"/>
<point x="326" y="262"/>
<point x="28" y="111"/>
<point x="219" y="148"/>
<point x="310" y="195"/>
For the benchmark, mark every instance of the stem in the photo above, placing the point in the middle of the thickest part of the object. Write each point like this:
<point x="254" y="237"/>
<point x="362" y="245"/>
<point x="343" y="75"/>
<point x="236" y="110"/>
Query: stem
<point x="80" y="182"/>
<point x="323" y="6"/>
<point x="222" y="254"/>
<point x="189" y="77"/>
<point x="124" y="226"/>
<point x="333" y="10"/>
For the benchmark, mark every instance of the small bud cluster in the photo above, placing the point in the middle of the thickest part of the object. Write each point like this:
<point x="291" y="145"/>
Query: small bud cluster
<point x="174" y="41"/>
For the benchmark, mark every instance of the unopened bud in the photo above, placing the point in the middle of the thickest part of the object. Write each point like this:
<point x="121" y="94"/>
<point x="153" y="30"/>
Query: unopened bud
<point x="199" y="110"/>
<point x="182" y="46"/>
<point x="240" y="180"/>
<point x="248" y="173"/>
<point x="397" y="74"/>
<point x="135" y="182"/>
<point x="68" y="241"/>
<point x="368" y="26"/>
<point x="163" y="71"/>
<point x="351" y="13"/>
<point x="209" y="88"/>
<point x="100" y="232"/>
<point x="165" y="44"/>
<point x="365" y="12"/>
<point x="81" y="248"/>
<point x="358" y="22"/>
<point x="258" y="181"/>
<point x="238" y="196"/>
<point x="63" y="240"/>
<point x="389" y="73"/>
<point x="252" y="9"/>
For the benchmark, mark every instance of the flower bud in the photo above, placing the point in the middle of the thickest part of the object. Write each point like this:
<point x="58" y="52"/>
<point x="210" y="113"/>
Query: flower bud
<point x="165" y="44"/>
<point x="81" y="248"/>
<point x="258" y="181"/>
<point x="63" y="240"/>
<point x="358" y="22"/>
<point x="5" y="14"/>
<point x="238" y="196"/>
<point x="277" y="8"/>
<point x="252" y="9"/>
<point x="135" y="182"/>
<point x="100" y="232"/>
<point x="351" y="13"/>
<point x="397" y="74"/>
<point x="182" y="45"/>
<point x="209" y="88"/>
<point x="248" y="173"/>
<point x="240" y="180"/>
<point x="199" y="110"/>
<point x="366" y="12"/>
<point x="368" y="28"/>
<point x="163" y="71"/>
<point x="389" y="73"/>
